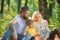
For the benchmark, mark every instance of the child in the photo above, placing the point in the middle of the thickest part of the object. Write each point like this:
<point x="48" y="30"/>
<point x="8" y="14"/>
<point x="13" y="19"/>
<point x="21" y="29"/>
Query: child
<point x="54" y="35"/>
<point x="31" y="29"/>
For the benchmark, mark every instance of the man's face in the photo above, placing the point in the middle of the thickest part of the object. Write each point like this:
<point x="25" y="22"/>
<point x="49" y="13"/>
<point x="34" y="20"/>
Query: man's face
<point x="26" y="14"/>
<point x="56" y="37"/>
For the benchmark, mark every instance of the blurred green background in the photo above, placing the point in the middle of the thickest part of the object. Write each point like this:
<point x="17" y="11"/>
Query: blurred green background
<point x="50" y="9"/>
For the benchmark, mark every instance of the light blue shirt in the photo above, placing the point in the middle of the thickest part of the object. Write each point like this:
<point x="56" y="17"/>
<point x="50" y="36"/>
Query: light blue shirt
<point x="21" y="24"/>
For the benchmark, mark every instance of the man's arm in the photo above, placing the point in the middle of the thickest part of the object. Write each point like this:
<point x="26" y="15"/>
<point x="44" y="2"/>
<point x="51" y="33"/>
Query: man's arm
<point x="12" y="28"/>
<point x="7" y="34"/>
<point x="8" y="31"/>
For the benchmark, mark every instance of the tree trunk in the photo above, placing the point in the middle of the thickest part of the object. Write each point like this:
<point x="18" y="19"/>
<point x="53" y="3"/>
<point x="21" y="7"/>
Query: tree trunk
<point x="2" y="6"/>
<point x="43" y="8"/>
<point x="26" y="1"/>
<point x="8" y="2"/>
<point x="58" y="1"/>
<point x="19" y="5"/>
<point x="50" y="8"/>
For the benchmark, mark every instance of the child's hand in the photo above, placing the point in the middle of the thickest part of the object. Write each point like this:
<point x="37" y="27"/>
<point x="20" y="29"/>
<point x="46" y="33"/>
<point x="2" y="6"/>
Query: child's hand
<point x="37" y="34"/>
<point x="37" y="37"/>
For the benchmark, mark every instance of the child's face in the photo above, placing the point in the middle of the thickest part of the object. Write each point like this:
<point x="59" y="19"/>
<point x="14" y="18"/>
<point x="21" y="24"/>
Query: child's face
<point x="56" y="37"/>
<point x="31" y="25"/>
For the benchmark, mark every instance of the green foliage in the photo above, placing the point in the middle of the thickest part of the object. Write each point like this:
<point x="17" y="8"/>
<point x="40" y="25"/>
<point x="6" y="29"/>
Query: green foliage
<point x="12" y="11"/>
<point x="54" y="20"/>
<point x="8" y="15"/>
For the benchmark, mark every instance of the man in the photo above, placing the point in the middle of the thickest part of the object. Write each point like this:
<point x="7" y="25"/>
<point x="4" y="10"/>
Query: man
<point x="18" y="24"/>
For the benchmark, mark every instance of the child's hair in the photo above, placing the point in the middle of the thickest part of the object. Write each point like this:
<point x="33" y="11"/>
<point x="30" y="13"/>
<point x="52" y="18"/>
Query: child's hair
<point x="29" y="22"/>
<point x="53" y="33"/>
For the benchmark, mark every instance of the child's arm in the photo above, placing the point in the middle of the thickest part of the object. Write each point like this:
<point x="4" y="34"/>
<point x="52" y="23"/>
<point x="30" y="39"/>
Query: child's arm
<point x="25" y="32"/>
<point x="37" y="36"/>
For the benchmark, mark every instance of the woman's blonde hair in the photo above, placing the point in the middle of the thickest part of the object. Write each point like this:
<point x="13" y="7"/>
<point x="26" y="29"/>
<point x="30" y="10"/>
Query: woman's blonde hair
<point x="36" y="12"/>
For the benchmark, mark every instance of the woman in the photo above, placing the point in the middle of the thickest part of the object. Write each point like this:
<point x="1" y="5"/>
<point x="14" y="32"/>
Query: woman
<point x="41" y="25"/>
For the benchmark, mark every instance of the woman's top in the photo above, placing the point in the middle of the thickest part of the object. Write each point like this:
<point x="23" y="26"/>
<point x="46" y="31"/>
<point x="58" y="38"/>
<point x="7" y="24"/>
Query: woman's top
<point x="43" y="29"/>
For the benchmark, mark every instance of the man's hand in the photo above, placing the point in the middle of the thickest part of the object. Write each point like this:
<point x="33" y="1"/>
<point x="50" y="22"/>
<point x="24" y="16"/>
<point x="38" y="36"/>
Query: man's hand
<point x="14" y="21"/>
<point x="11" y="24"/>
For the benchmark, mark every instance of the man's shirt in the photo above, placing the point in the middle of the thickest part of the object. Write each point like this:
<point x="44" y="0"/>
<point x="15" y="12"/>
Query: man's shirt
<point x="20" y="25"/>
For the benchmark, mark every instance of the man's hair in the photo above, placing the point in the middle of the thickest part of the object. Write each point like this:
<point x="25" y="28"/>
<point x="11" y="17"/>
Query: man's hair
<point x="29" y="21"/>
<point x="53" y="33"/>
<point x="25" y="8"/>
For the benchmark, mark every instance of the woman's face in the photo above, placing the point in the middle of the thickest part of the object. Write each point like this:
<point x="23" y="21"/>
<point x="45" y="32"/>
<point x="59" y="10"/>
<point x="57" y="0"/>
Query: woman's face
<point x="56" y="37"/>
<point x="37" y="17"/>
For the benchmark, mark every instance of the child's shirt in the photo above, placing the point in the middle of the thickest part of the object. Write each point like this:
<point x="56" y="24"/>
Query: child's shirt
<point x="31" y="31"/>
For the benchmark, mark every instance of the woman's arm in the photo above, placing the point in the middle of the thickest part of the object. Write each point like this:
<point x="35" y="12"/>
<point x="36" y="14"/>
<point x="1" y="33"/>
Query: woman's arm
<point x="46" y="26"/>
<point x="47" y="29"/>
